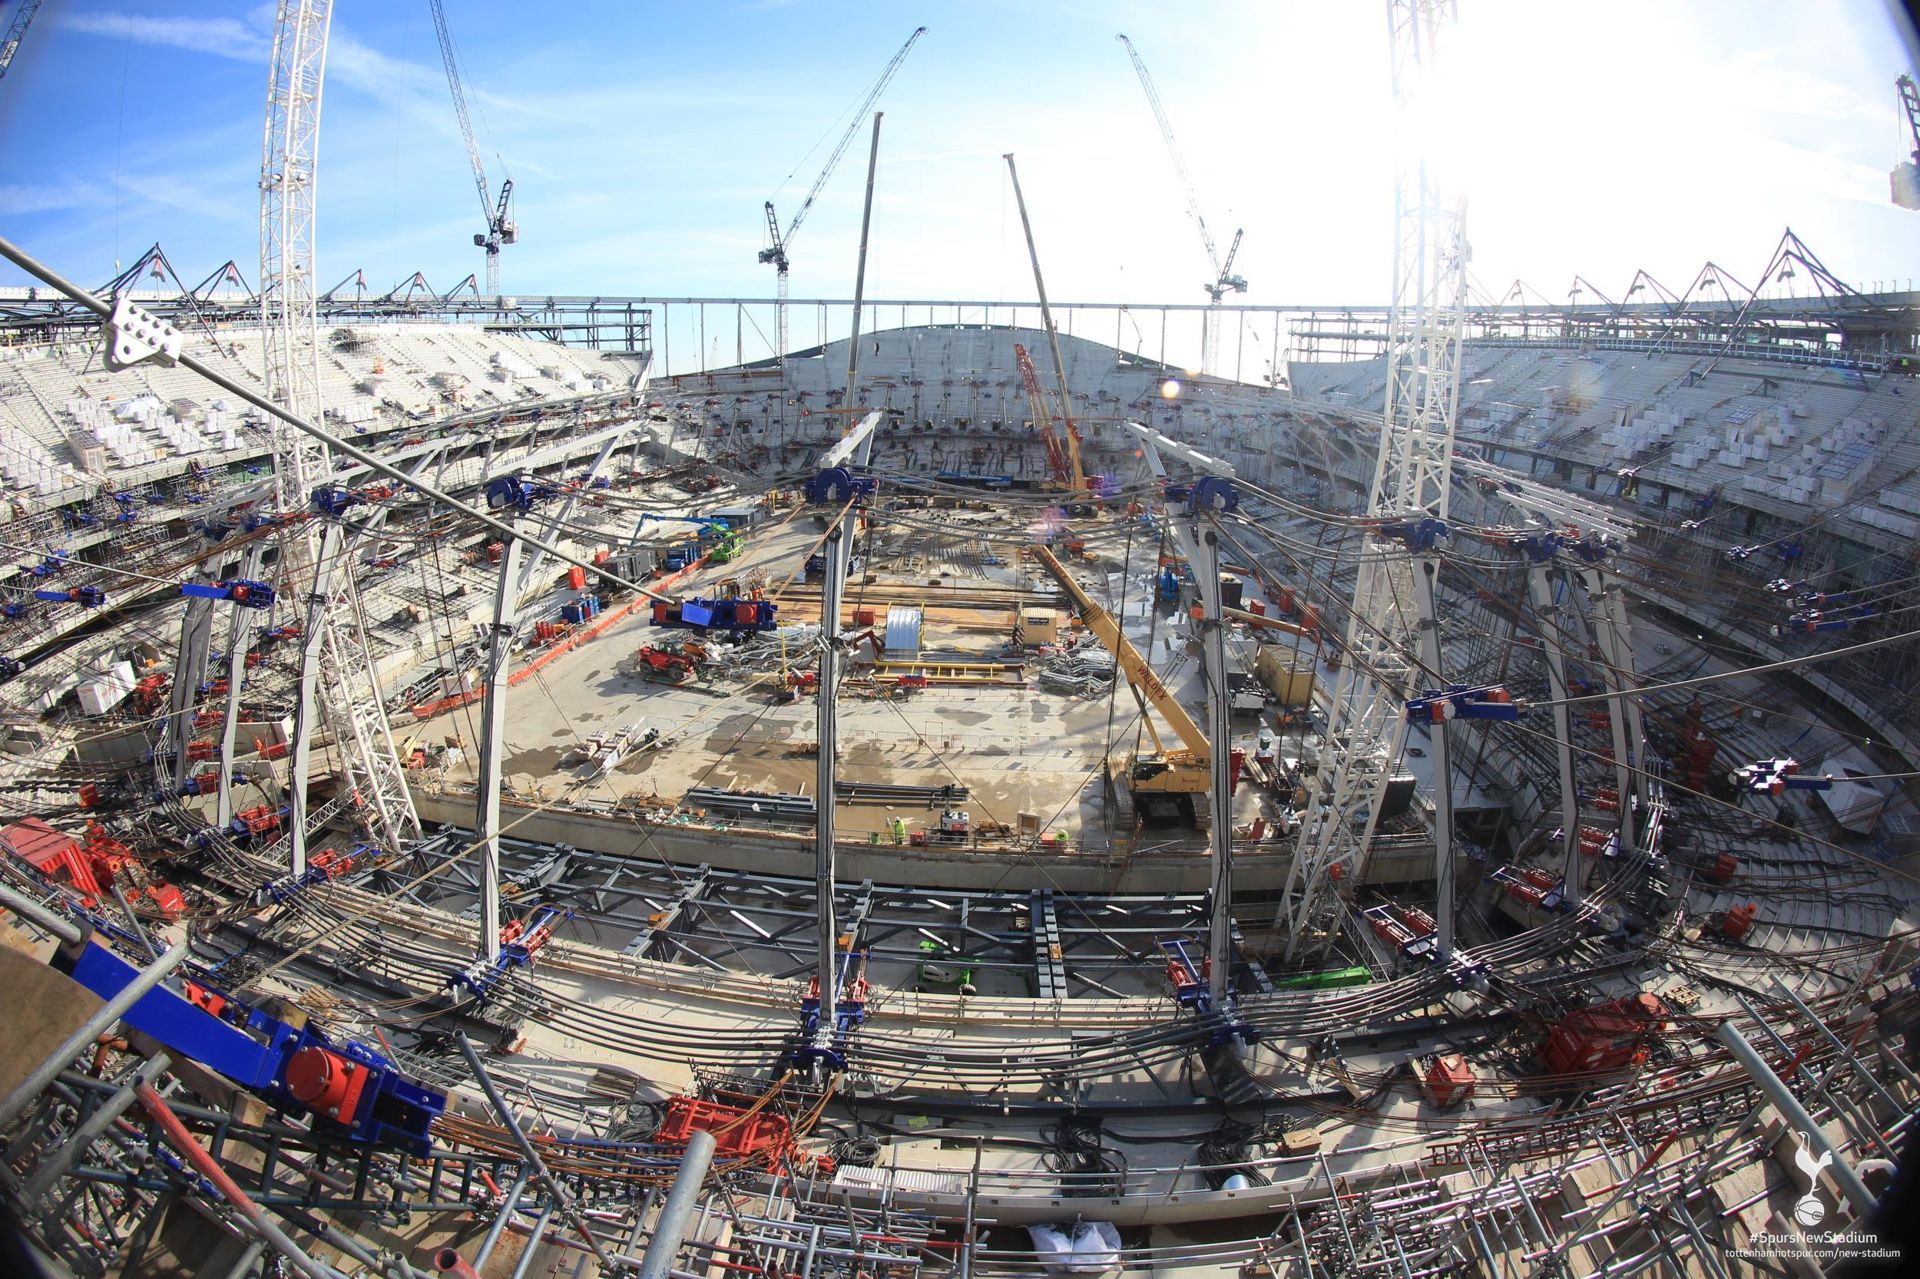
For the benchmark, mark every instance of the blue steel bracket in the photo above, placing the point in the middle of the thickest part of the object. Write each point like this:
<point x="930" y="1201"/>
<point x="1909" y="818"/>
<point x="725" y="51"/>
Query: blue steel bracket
<point x="191" y="786"/>
<point x="1461" y="701"/>
<point x="241" y="591"/>
<point x="850" y="1012"/>
<point x="1224" y="1022"/>
<point x="333" y="500"/>
<point x="1814" y="621"/>
<point x="515" y="493"/>
<point x="253" y="1049"/>
<point x="84" y="596"/>
<point x="1772" y="776"/>
<point x="1231" y="1024"/>
<point x="1418" y="535"/>
<point x="521" y="940"/>
<point x="1540" y="548"/>
<point x="1206" y="494"/>
<point x="837" y="485"/>
<point x="1591" y="549"/>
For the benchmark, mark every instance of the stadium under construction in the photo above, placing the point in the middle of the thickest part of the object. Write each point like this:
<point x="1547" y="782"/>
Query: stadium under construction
<point x="1428" y="793"/>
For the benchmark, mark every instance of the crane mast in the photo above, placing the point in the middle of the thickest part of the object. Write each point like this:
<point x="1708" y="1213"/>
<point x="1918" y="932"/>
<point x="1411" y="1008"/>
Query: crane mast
<point x="1407" y="508"/>
<point x="1224" y="280"/>
<point x="339" y="667"/>
<point x="498" y="212"/>
<point x="776" y="251"/>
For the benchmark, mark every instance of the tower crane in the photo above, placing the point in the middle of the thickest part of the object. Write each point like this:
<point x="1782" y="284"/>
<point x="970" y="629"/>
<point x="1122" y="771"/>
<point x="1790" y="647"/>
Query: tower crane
<point x="776" y="252"/>
<point x="16" y="30"/>
<point x="1224" y="280"/>
<point x="498" y="211"/>
<point x="1393" y="606"/>
<point x="1905" y="176"/>
<point x="337" y="677"/>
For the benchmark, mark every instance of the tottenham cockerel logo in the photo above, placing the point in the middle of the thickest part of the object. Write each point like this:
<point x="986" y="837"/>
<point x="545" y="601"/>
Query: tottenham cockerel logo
<point x="1810" y="1210"/>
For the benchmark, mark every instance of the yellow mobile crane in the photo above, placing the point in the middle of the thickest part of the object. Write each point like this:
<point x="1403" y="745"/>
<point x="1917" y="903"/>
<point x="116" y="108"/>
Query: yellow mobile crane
<point x="1185" y="771"/>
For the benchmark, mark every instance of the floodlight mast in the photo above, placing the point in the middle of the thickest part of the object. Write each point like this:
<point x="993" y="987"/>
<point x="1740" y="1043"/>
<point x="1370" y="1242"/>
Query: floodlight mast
<point x="498" y="212"/>
<point x="779" y="242"/>
<point x="1224" y="280"/>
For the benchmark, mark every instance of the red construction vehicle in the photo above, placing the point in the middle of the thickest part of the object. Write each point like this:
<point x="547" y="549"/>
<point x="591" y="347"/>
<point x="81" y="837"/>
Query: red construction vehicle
<point x="669" y="666"/>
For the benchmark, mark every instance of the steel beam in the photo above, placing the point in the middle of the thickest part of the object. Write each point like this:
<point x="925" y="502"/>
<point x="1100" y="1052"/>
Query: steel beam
<point x="493" y="734"/>
<point x="1540" y="593"/>
<point x="1798" y="1119"/>
<point x="239" y="621"/>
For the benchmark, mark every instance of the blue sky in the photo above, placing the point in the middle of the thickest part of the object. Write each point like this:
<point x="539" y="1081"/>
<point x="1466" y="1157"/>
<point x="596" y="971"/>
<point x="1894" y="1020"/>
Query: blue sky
<point x="643" y="138"/>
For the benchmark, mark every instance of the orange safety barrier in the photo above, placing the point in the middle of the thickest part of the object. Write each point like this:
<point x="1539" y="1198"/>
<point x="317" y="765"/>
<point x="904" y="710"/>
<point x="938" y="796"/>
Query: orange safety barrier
<point x="427" y="710"/>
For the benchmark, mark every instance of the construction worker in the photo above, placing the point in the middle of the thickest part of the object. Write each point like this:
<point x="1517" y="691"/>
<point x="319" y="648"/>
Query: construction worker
<point x="899" y="827"/>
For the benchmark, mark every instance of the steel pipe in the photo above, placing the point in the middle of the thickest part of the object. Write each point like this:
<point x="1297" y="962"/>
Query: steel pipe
<point x="670" y="1230"/>
<point x="555" y="1187"/>
<point x="37" y="914"/>
<point x="92" y="1128"/>
<point x="1844" y="1176"/>
<point x="207" y="1166"/>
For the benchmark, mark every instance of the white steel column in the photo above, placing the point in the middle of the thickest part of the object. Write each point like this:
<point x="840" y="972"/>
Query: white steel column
<point x="239" y="620"/>
<point x="1614" y="673"/>
<point x="189" y="673"/>
<point x="306" y="705"/>
<point x="1213" y="651"/>
<point x="1540" y="594"/>
<point x="1426" y="571"/>
<point x="493" y="730"/>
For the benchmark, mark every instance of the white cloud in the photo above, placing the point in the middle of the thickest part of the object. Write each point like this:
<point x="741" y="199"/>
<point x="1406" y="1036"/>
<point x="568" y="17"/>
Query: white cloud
<point x="58" y="197"/>
<point x="221" y="37"/>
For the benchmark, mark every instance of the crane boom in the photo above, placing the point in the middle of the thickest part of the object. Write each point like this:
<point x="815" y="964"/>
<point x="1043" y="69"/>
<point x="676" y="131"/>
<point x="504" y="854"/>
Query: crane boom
<point x="860" y="113"/>
<point x="498" y="214"/>
<point x="776" y="252"/>
<point x="1910" y="103"/>
<point x="1905" y="178"/>
<point x="1133" y="665"/>
<point x="460" y="105"/>
<point x="1173" y="150"/>
<point x="1224" y="281"/>
<point x="15" y="32"/>
<point x="1076" y="476"/>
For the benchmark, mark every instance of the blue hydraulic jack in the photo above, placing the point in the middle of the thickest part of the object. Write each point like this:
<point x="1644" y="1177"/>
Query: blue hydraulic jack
<point x="849" y="1014"/>
<point x="1190" y="977"/>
